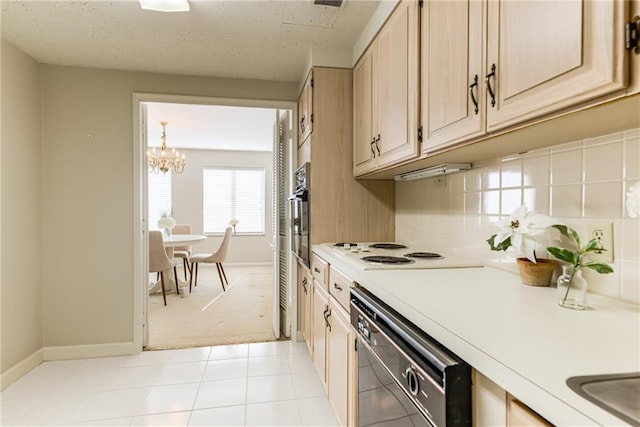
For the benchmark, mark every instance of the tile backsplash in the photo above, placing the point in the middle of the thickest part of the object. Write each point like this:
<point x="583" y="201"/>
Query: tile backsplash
<point x="577" y="183"/>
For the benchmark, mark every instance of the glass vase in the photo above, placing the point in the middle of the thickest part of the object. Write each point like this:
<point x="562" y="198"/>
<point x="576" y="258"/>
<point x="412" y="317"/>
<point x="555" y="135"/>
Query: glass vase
<point x="572" y="288"/>
<point x="167" y="233"/>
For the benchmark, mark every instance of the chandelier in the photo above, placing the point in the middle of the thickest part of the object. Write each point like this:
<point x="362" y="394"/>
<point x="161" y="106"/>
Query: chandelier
<point x="164" y="163"/>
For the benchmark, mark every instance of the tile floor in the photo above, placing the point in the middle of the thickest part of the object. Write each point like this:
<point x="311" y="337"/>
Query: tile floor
<point x="262" y="384"/>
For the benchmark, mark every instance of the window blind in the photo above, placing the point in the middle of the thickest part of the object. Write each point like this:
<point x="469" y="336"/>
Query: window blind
<point x="234" y="193"/>
<point x="159" y="196"/>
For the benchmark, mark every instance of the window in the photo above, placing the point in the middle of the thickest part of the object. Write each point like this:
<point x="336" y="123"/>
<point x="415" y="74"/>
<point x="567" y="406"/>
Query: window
<point x="159" y="196"/>
<point x="234" y="193"/>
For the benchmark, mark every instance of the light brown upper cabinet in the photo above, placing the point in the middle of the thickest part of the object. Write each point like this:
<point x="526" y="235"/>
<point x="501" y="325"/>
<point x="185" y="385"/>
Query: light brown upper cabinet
<point x="385" y="88"/>
<point x="540" y="57"/>
<point x="305" y="110"/>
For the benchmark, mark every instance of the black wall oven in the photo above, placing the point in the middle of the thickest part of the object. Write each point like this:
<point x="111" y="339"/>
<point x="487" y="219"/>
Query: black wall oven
<point x="405" y="377"/>
<point x="300" y="236"/>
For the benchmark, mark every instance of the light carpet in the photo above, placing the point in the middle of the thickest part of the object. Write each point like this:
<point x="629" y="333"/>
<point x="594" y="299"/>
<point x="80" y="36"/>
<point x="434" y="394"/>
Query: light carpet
<point x="209" y="316"/>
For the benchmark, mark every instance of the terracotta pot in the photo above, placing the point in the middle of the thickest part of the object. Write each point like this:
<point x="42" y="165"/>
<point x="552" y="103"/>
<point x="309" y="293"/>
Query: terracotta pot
<point x="536" y="274"/>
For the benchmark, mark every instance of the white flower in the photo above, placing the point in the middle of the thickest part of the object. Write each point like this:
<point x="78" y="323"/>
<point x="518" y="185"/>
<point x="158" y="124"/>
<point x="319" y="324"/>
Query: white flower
<point x="166" y="221"/>
<point x="527" y="231"/>
<point x="233" y="222"/>
<point x="633" y="200"/>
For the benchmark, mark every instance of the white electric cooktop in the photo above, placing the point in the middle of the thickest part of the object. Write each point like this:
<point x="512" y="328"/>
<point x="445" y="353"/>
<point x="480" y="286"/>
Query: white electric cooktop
<point x="393" y="255"/>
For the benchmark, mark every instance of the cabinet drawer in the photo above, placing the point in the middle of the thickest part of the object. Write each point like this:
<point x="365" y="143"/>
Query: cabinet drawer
<point x="320" y="270"/>
<point x="339" y="285"/>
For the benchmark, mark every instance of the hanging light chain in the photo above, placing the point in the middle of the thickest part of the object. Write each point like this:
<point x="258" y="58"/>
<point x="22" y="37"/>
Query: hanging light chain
<point x="163" y="163"/>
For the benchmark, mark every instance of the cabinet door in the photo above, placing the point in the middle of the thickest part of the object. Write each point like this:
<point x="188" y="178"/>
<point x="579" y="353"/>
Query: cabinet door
<point x="305" y="291"/>
<point x="550" y="55"/>
<point x="305" y="110"/>
<point x="320" y="309"/>
<point x="363" y="110"/>
<point x="453" y="100"/>
<point x="397" y="82"/>
<point x="338" y="361"/>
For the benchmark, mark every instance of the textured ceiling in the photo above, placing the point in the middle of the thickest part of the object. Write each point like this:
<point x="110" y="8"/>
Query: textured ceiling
<point x="243" y="39"/>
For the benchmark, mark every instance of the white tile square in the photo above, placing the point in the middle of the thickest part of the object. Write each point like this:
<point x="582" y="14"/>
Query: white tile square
<point x="536" y="199"/>
<point x="89" y="381"/>
<point x="566" y="167"/>
<point x="604" y="284"/>
<point x="225" y="369"/>
<point x="457" y="203"/>
<point x="269" y="348"/>
<point x="169" y="398"/>
<point x="63" y="409"/>
<point x="535" y="171"/>
<point x="228" y="416"/>
<point x="308" y="385"/>
<point x="510" y="200"/>
<point x="456" y="183"/>
<point x="136" y="376"/>
<point x="269" y="365"/>
<point x="473" y="180"/>
<point x="213" y="394"/>
<point x="603" y="200"/>
<point x="566" y="201"/>
<point x="603" y="162"/>
<point x="630" y="240"/>
<point x="473" y="203"/>
<point x="630" y="283"/>
<point x="603" y="139"/>
<point x="632" y="158"/>
<point x="113" y="404"/>
<point x="491" y="177"/>
<point x="177" y="373"/>
<point x="511" y="173"/>
<point x="317" y="412"/>
<point x="229" y="351"/>
<point x="301" y="362"/>
<point x="270" y="388"/>
<point x="147" y="358"/>
<point x="176" y="419"/>
<point x="491" y="202"/>
<point x="283" y="413"/>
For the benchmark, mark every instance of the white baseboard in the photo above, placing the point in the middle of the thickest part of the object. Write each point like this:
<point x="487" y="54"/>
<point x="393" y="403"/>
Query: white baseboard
<point x="21" y="368"/>
<point x="89" y="351"/>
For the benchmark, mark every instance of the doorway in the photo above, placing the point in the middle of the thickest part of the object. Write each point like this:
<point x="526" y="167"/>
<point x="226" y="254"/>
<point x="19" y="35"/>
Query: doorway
<point x="187" y="205"/>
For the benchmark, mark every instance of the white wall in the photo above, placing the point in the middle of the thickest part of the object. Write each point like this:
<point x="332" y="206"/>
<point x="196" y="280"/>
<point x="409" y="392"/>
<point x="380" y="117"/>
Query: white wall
<point x="88" y="192"/>
<point x="187" y="203"/>
<point x="575" y="183"/>
<point x="21" y="236"/>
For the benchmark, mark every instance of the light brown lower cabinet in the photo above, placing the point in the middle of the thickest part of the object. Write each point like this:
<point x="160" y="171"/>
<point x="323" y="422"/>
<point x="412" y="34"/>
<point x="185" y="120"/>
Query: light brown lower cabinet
<point x="305" y="297"/>
<point x="338" y="351"/>
<point x="319" y="333"/>
<point x="520" y="415"/>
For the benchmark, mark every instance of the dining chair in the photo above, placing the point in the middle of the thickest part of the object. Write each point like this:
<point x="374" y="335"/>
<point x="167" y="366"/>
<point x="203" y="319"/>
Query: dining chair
<point x="159" y="261"/>
<point x="218" y="257"/>
<point x="183" y="252"/>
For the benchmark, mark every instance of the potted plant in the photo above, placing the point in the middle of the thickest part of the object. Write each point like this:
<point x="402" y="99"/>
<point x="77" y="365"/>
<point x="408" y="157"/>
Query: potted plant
<point x="523" y="232"/>
<point x="572" y="287"/>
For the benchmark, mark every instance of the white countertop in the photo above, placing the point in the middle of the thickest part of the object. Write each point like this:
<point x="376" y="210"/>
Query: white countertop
<point x="514" y="334"/>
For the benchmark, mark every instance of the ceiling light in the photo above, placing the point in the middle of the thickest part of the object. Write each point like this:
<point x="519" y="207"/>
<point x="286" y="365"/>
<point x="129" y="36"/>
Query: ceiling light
<point x="442" y="169"/>
<point x="164" y="163"/>
<point x="165" y="5"/>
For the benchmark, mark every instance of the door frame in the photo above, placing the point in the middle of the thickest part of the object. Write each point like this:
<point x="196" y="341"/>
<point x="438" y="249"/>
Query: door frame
<point x="140" y="242"/>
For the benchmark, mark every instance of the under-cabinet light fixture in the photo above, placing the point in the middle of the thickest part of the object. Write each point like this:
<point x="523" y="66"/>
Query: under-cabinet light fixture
<point x="165" y="5"/>
<point x="429" y="172"/>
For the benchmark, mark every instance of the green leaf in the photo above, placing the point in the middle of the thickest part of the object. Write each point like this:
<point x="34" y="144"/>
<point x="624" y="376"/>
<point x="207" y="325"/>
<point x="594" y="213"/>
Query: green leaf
<point x="600" y="267"/>
<point x="564" y="255"/>
<point x="562" y="228"/>
<point x="576" y="237"/>
<point x="593" y="246"/>
<point x="502" y="246"/>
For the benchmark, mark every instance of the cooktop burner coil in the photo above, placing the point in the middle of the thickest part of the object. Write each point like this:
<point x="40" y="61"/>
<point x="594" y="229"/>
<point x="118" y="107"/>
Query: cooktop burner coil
<point x="388" y="246"/>
<point x="424" y="255"/>
<point x="341" y="244"/>
<point x="379" y="259"/>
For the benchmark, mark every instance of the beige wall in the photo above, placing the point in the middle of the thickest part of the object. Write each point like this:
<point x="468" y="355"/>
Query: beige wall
<point x="187" y="202"/>
<point x="21" y="201"/>
<point x="576" y="183"/>
<point x="88" y="193"/>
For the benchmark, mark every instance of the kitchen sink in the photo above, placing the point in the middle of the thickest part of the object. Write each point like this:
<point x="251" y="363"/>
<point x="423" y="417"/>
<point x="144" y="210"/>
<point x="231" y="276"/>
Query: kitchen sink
<point x="618" y="394"/>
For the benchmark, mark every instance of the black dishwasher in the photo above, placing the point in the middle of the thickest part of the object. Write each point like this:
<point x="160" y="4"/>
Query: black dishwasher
<point x="405" y="377"/>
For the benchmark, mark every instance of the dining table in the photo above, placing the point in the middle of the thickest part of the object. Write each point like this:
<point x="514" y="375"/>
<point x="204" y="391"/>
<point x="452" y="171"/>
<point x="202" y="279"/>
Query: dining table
<point x="171" y="242"/>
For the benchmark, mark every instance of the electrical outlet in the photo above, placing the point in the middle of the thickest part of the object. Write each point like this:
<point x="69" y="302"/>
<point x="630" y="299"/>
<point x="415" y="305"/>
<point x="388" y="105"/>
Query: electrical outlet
<point x="603" y="233"/>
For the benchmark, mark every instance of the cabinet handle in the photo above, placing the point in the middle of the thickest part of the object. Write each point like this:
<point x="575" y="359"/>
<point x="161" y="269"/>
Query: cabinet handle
<point x="302" y="126"/>
<point x="373" y="152"/>
<point x="338" y="287"/>
<point x="304" y="285"/>
<point x="316" y="269"/>
<point x="326" y="318"/>
<point x="377" y="147"/>
<point x="473" y="98"/>
<point x="492" y="95"/>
